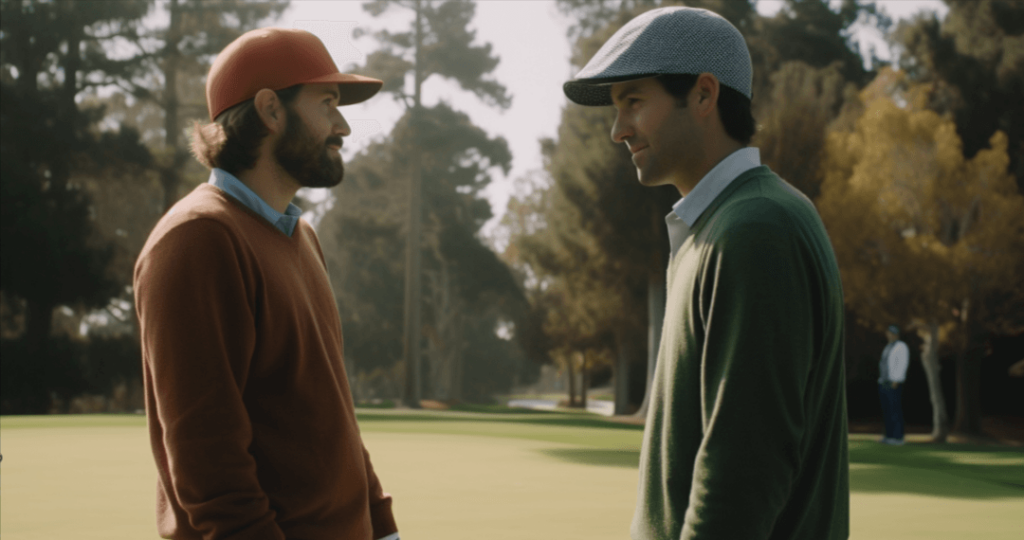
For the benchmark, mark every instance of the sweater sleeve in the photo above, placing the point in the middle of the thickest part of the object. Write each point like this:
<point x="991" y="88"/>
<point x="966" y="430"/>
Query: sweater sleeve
<point x="755" y="306"/>
<point x="381" y="517"/>
<point x="198" y="336"/>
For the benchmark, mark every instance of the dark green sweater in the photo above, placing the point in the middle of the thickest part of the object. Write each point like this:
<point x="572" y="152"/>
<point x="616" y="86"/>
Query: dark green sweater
<point x="746" y="435"/>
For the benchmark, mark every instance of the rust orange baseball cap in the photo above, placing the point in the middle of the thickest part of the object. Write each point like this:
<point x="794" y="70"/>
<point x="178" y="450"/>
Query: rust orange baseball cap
<point x="277" y="58"/>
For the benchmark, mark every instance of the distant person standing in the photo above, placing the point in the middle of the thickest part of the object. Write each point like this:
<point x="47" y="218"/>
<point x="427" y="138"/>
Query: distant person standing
<point x="892" y="371"/>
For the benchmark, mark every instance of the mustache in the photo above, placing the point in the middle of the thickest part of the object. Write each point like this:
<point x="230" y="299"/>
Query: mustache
<point x="335" y="140"/>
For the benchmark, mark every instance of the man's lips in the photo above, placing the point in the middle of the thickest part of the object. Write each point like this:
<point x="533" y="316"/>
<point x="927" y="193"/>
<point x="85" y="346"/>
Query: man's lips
<point x="635" y="150"/>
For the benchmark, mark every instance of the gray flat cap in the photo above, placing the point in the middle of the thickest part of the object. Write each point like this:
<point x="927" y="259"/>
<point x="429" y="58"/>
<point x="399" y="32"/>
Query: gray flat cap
<point x="662" y="41"/>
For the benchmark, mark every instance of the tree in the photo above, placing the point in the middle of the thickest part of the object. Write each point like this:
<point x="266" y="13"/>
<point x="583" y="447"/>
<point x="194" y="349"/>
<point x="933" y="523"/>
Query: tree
<point x="922" y="234"/>
<point x="52" y="252"/>
<point x="439" y="43"/>
<point x="165" y="67"/>
<point x="51" y="255"/>
<point x="562" y="268"/>
<point x="466" y="282"/>
<point x="804" y="47"/>
<point x="975" y="59"/>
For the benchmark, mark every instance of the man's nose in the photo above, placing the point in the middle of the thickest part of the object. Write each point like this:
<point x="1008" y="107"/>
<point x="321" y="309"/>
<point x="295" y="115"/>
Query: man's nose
<point x="621" y="129"/>
<point x="340" y="126"/>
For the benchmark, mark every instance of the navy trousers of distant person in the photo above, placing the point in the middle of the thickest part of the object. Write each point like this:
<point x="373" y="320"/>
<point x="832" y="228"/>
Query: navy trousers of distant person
<point x="892" y="409"/>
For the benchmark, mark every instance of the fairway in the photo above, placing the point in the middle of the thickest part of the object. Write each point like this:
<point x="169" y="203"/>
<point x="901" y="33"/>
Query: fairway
<point x="504" y="476"/>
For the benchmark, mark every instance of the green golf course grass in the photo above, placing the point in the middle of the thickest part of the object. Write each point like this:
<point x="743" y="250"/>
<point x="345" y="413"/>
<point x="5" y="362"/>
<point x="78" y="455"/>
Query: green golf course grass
<point x="467" y="475"/>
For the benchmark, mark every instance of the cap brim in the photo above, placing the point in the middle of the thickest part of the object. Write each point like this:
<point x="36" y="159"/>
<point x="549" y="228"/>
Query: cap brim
<point x="597" y="91"/>
<point x="353" y="88"/>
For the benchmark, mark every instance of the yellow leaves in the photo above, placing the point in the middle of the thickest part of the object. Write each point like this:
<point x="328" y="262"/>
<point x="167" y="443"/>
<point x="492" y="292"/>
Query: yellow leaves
<point x="914" y="224"/>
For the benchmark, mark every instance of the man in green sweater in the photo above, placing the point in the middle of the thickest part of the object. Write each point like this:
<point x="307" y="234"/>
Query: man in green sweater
<point x="746" y="436"/>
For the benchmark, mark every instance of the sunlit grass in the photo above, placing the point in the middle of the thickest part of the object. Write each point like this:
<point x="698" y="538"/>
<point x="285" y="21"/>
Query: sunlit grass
<point x="467" y="474"/>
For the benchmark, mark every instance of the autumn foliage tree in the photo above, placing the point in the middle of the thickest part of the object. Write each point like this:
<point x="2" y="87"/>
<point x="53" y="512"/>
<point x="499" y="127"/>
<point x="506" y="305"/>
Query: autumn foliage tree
<point x="924" y="236"/>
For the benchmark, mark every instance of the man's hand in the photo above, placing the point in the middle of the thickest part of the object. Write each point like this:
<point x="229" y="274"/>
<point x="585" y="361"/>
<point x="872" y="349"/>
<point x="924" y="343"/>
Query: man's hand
<point x="895" y="385"/>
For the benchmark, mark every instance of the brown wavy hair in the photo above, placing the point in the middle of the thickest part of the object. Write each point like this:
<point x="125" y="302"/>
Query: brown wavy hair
<point x="231" y="142"/>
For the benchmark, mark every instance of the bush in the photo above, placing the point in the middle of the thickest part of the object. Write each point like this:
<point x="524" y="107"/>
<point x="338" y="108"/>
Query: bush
<point x="30" y="381"/>
<point x="65" y="368"/>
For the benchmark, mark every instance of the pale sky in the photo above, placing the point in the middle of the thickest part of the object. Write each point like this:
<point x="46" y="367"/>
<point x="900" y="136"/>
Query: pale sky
<point x="529" y="37"/>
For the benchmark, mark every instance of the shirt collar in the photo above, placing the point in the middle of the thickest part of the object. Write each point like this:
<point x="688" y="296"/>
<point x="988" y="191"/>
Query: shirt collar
<point x="686" y="212"/>
<point x="236" y="188"/>
<point x="690" y="208"/>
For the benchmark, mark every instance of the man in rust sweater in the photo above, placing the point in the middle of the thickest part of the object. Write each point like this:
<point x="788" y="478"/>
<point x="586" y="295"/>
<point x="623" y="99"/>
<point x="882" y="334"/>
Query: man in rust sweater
<point x="251" y="420"/>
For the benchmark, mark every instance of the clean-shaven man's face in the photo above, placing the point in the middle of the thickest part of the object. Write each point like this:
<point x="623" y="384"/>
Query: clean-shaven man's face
<point x="662" y="136"/>
<point x="309" y="149"/>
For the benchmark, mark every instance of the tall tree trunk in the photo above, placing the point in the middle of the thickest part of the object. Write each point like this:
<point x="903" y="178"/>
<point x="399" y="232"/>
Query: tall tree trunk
<point x="571" y="372"/>
<point x="968" y="376"/>
<point x="170" y="176"/>
<point x="60" y="165"/>
<point x="623" y="354"/>
<point x="413" y="255"/>
<point x="655" y="321"/>
<point x="457" y="363"/>
<point x="38" y="324"/>
<point x="968" y="401"/>
<point x="930" y="360"/>
<point x="584" y="378"/>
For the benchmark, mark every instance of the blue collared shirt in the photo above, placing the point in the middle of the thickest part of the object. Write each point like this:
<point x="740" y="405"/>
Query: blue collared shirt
<point x="233" y="186"/>
<point x="685" y="212"/>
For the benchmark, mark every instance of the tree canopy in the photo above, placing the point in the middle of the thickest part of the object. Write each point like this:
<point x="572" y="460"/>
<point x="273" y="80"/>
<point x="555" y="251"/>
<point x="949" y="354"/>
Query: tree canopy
<point x="923" y="235"/>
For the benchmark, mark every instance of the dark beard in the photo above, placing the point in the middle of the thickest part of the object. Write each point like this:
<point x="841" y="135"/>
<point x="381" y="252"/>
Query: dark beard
<point x="305" y="158"/>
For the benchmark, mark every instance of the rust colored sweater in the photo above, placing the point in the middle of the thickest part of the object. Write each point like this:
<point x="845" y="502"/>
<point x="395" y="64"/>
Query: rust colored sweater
<point x="251" y="420"/>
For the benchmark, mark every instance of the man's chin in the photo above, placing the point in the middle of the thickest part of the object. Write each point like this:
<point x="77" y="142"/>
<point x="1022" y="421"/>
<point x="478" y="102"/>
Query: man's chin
<point x="649" y="180"/>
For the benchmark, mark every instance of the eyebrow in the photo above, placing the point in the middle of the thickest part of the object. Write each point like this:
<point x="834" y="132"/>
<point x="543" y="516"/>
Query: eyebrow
<point x="630" y="89"/>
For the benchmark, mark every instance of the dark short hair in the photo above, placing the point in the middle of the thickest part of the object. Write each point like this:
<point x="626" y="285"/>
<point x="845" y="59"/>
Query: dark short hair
<point x="733" y="107"/>
<point x="232" y="141"/>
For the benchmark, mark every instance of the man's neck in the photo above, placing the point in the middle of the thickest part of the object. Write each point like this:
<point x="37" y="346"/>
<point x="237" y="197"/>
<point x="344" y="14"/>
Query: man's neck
<point x="276" y="187"/>
<point x="712" y="157"/>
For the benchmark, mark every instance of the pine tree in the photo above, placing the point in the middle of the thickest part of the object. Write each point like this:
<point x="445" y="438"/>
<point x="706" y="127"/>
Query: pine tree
<point x="51" y="254"/>
<point x="441" y="149"/>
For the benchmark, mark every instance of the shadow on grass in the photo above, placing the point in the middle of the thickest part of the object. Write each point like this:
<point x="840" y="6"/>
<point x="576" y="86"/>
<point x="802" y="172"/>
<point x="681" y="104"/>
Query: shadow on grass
<point x="526" y="416"/>
<point x="954" y="471"/>
<point x="948" y="470"/>
<point x="593" y="456"/>
<point x="495" y="409"/>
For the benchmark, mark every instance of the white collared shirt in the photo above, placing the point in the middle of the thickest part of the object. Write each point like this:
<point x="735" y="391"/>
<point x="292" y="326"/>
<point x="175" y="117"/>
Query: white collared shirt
<point x="686" y="212"/>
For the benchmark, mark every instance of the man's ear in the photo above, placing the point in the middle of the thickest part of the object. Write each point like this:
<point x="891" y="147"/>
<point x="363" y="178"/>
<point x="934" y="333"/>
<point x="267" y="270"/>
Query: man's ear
<point x="270" y="109"/>
<point x="707" y="90"/>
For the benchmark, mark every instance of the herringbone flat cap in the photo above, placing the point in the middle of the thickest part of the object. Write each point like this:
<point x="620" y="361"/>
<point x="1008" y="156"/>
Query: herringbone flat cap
<point x="662" y="41"/>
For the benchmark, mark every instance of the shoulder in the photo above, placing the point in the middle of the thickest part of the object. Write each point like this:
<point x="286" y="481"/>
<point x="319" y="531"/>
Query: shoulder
<point x="204" y="219"/>
<point x="309" y="241"/>
<point x="204" y="202"/>
<point x="765" y="198"/>
<point x="764" y="206"/>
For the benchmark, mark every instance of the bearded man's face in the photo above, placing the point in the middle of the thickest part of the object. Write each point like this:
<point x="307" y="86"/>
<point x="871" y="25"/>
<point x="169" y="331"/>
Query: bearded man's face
<point x="308" y="157"/>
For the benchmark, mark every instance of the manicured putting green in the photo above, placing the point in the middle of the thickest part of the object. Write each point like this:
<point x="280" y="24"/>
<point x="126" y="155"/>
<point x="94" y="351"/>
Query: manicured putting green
<point x="508" y="476"/>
